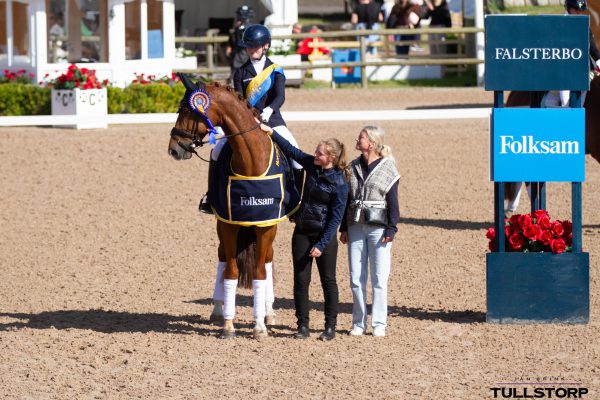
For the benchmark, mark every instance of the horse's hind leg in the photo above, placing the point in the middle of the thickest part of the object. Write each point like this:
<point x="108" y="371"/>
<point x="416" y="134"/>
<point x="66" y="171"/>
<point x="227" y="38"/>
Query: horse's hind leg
<point x="270" y="296"/>
<point x="229" y="289"/>
<point x="264" y="248"/>
<point x="270" y="313"/>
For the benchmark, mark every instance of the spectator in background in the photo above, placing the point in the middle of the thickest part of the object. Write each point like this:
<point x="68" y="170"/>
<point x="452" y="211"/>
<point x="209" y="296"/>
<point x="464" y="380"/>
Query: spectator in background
<point x="235" y="52"/>
<point x="57" y="24"/>
<point x="367" y="15"/>
<point x="386" y="9"/>
<point x="304" y="48"/>
<point x="438" y="13"/>
<point x="297" y="28"/>
<point x="404" y="14"/>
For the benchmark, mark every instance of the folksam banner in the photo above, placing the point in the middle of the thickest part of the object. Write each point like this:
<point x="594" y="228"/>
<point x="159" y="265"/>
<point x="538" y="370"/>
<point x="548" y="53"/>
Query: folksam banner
<point x="541" y="52"/>
<point x="537" y="145"/>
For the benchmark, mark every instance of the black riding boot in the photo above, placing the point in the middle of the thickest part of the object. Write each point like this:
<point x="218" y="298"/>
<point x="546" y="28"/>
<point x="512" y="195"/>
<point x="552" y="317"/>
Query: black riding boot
<point x="204" y="206"/>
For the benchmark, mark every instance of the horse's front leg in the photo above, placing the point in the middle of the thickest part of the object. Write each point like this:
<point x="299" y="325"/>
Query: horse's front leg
<point x="512" y="195"/>
<point x="217" y="313"/>
<point x="264" y="247"/>
<point x="230" y="278"/>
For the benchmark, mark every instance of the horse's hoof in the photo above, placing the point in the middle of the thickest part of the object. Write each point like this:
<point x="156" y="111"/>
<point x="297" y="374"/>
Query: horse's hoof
<point x="260" y="333"/>
<point x="227" y="334"/>
<point x="270" y="319"/>
<point x="216" y="319"/>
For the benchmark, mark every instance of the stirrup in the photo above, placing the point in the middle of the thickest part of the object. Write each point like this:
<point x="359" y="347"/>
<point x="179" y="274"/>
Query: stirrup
<point x="204" y="206"/>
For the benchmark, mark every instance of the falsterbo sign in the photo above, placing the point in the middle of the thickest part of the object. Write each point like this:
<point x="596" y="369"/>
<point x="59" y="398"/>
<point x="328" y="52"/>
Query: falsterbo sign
<point x="524" y="52"/>
<point x="537" y="145"/>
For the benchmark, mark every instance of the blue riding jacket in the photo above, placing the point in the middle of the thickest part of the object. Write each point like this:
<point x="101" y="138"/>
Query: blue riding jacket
<point x="274" y="98"/>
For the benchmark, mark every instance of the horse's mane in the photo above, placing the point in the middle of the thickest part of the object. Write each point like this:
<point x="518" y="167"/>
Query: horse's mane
<point x="231" y="91"/>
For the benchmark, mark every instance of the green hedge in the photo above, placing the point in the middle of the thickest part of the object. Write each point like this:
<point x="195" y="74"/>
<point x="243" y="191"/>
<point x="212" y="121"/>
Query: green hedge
<point x="19" y="99"/>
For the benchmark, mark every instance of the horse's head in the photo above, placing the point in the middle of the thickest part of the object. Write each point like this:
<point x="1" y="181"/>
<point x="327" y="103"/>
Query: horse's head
<point x="192" y="126"/>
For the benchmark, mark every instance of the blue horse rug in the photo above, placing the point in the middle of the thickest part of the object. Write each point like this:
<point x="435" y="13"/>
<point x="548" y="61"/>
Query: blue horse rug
<point x="263" y="200"/>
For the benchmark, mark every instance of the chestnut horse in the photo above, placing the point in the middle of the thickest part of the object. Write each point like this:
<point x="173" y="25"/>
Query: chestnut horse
<point x="512" y="190"/>
<point x="244" y="249"/>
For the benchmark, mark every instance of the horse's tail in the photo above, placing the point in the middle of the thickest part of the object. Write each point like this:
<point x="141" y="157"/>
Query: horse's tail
<point x="246" y="256"/>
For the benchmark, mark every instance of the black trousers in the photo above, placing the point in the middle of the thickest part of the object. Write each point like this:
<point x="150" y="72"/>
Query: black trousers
<point x="302" y="243"/>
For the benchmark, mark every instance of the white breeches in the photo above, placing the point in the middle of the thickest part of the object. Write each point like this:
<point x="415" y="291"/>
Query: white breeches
<point x="281" y="129"/>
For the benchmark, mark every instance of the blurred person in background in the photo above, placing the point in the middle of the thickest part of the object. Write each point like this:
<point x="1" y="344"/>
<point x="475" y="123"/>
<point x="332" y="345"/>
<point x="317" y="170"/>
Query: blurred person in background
<point x="404" y="14"/>
<point x="438" y="13"/>
<point x="235" y="52"/>
<point x="367" y="14"/>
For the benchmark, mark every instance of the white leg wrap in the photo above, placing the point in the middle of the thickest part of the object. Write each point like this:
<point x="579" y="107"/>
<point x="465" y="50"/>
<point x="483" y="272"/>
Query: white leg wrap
<point x="270" y="291"/>
<point x="514" y="203"/>
<point x="230" y="287"/>
<point x="260" y="288"/>
<point x="565" y="95"/>
<point x="218" y="292"/>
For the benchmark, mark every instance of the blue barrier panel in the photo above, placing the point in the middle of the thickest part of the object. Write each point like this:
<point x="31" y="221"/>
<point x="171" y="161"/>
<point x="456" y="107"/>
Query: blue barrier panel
<point x="538" y="145"/>
<point x="346" y="74"/>
<point x="542" y="52"/>
<point x="538" y="288"/>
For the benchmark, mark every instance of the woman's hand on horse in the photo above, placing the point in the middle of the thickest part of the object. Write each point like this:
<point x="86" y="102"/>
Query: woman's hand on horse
<point x="314" y="252"/>
<point x="265" y="128"/>
<point x="344" y="237"/>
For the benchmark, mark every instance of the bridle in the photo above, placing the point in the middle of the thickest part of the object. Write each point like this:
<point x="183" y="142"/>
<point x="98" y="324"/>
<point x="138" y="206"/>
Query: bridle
<point x="196" y="140"/>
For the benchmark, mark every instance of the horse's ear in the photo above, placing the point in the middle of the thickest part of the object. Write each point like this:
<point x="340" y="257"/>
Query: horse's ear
<point x="187" y="82"/>
<point x="201" y="85"/>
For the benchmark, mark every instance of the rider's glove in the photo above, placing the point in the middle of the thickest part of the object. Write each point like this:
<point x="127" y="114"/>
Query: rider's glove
<point x="266" y="114"/>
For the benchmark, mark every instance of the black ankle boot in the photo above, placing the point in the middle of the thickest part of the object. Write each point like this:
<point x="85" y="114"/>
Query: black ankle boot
<point x="328" y="334"/>
<point x="303" y="332"/>
<point x="204" y="206"/>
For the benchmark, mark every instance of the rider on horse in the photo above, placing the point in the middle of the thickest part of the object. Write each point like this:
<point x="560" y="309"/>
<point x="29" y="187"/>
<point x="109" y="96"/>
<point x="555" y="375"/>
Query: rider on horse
<point x="262" y="83"/>
<point x="577" y="7"/>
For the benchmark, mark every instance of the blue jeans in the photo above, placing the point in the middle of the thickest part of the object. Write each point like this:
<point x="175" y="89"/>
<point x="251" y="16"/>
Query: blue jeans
<point x="367" y="253"/>
<point x="370" y="38"/>
<point x="403" y="49"/>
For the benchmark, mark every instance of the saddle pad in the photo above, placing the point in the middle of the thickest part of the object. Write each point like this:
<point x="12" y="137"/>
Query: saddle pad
<point x="253" y="200"/>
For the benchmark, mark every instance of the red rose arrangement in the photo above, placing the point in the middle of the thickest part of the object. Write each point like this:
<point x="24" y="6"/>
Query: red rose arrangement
<point x="80" y="78"/>
<point x="535" y="233"/>
<point x="21" y="76"/>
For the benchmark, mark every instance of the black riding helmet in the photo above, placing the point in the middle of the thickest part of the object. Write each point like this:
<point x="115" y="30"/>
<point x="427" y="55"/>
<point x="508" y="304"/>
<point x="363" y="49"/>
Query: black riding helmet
<point x="579" y="5"/>
<point x="256" y="36"/>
